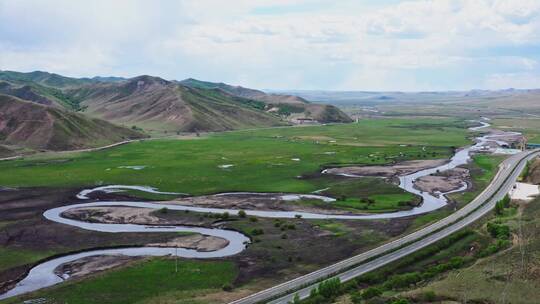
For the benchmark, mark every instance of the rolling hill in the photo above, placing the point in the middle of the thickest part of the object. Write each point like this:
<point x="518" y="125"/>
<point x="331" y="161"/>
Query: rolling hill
<point x="295" y="108"/>
<point x="36" y="126"/>
<point x="155" y="104"/>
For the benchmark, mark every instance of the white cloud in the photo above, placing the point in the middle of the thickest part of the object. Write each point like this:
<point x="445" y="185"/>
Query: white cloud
<point x="513" y="80"/>
<point x="326" y="46"/>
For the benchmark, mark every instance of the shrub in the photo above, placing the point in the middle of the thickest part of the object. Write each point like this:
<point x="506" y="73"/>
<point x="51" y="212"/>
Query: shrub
<point x="429" y="296"/>
<point x="371" y="278"/>
<point x="402" y="280"/>
<point x="241" y="213"/>
<point x="494" y="248"/>
<point x="253" y="219"/>
<point x="225" y="215"/>
<point x="356" y="298"/>
<point x="227" y="287"/>
<point x="257" y="231"/>
<point x="329" y="288"/>
<point x="371" y="292"/>
<point x="164" y="210"/>
<point x="498" y="231"/>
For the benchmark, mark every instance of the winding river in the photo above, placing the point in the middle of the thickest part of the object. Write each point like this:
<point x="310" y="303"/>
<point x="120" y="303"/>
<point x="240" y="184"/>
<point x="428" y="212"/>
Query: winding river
<point x="43" y="275"/>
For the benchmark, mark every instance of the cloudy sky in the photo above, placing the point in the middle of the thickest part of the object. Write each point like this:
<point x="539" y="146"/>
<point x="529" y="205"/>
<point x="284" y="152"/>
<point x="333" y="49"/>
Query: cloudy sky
<point x="281" y="44"/>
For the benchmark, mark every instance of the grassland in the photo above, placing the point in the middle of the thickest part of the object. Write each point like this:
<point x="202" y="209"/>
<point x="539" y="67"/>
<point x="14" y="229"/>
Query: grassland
<point x="10" y="257"/>
<point x="155" y="278"/>
<point x="263" y="160"/>
<point x="529" y="126"/>
<point x="510" y="276"/>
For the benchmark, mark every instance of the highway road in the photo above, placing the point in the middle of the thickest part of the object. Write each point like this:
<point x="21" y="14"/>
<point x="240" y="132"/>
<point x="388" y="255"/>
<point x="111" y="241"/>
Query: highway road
<point x="509" y="170"/>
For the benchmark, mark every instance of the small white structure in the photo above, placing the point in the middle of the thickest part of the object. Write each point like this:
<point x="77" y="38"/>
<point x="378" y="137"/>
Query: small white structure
<point x="523" y="191"/>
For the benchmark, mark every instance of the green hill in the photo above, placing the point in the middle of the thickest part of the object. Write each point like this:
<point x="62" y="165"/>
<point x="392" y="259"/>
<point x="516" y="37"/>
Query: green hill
<point x="294" y="108"/>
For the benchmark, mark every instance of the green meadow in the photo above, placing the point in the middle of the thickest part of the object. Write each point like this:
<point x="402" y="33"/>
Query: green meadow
<point x="265" y="160"/>
<point x="155" y="278"/>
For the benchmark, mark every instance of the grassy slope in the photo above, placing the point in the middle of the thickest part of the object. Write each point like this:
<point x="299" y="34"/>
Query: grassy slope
<point x="286" y="104"/>
<point x="192" y="165"/>
<point x="161" y="106"/>
<point x="155" y="278"/>
<point x="214" y="110"/>
<point x="42" y="127"/>
<point x="501" y="276"/>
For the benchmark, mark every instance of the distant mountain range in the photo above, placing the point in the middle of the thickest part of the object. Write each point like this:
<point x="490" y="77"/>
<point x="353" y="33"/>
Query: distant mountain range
<point x="143" y="103"/>
<point x="369" y="98"/>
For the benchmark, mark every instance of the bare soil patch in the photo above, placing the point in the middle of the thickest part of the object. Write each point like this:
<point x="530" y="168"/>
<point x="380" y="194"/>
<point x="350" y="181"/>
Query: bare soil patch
<point x="197" y="242"/>
<point x="399" y="169"/>
<point x="443" y="182"/>
<point x="92" y="264"/>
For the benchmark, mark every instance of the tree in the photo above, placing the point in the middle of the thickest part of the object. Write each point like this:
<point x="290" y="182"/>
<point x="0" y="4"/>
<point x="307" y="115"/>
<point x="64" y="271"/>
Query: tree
<point x="506" y="201"/>
<point x="329" y="288"/>
<point x="241" y="213"/>
<point x="499" y="207"/>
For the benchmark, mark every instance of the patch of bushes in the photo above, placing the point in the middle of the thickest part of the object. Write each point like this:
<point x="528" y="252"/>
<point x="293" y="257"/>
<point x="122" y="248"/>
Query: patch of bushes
<point x="498" y="231"/>
<point x="371" y="292"/>
<point x="402" y="280"/>
<point x="502" y="204"/>
<point x="257" y="231"/>
<point x="326" y="292"/>
<point x="494" y="248"/>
